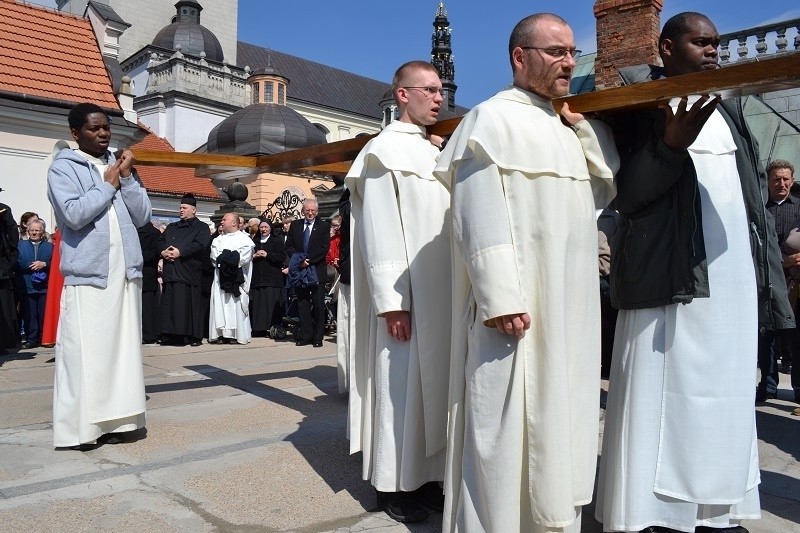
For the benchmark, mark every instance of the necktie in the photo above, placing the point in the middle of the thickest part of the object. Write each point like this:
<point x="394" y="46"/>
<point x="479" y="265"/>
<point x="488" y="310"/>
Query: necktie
<point x="306" y="236"/>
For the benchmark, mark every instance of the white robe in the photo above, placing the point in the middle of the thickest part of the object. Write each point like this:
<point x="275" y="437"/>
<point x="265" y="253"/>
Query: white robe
<point x="401" y="261"/>
<point x="99" y="378"/>
<point x="524" y="413"/>
<point x="680" y="447"/>
<point x="343" y="327"/>
<point x="229" y="316"/>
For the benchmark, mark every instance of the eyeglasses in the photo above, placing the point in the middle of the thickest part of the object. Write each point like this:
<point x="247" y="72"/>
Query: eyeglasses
<point x="429" y="92"/>
<point x="556" y="52"/>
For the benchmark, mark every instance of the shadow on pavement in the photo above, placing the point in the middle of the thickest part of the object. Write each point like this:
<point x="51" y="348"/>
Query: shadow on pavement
<point x="780" y="431"/>
<point x="320" y="437"/>
<point x="18" y="356"/>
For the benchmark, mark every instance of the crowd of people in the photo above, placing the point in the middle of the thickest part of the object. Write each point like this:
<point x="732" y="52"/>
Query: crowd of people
<point x="469" y="340"/>
<point x="181" y="289"/>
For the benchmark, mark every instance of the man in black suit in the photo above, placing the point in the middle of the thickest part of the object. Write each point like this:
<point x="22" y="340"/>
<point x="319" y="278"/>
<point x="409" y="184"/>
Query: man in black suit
<point x="311" y="236"/>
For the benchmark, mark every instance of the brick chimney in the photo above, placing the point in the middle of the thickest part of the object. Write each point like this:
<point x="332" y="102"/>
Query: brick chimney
<point x="627" y="34"/>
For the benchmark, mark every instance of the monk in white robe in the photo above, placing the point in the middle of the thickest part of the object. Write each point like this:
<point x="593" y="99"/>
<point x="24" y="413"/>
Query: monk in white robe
<point x="230" y="316"/>
<point x="98" y="203"/>
<point x="679" y="448"/>
<point x="522" y="445"/>
<point x="401" y="303"/>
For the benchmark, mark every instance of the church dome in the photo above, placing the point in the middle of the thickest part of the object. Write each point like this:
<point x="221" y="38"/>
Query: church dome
<point x="187" y="33"/>
<point x="263" y="129"/>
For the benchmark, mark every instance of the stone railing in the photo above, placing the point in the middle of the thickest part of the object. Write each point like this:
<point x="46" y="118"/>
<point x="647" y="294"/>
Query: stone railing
<point x="178" y="72"/>
<point x="755" y="40"/>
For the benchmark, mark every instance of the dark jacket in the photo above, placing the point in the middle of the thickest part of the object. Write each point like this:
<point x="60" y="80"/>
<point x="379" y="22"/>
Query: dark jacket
<point x="9" y="241"/>
<point x="317" y="245"/>
<point x="659" y="253"/>
<point x="192" y="238"/>
<point x="301" y="277"/>
<point x="231" y="276"/>
<point x="148" y="240"/>
<point x="28" y="253"/>
<point x="267" y="270"/>
<point x="344" y="243"/>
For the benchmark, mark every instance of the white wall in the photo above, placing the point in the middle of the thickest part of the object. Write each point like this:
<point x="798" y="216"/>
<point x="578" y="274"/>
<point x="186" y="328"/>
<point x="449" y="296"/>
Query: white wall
<point x="184" y="125"/>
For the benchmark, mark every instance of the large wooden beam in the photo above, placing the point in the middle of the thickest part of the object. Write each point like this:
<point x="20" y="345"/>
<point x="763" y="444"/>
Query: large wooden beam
<point x="779" y="71"/>
<point x="189" y="159"/>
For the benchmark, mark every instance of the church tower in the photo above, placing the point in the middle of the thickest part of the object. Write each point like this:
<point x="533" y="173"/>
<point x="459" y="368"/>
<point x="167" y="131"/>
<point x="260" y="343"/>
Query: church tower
<point x="442" y="55"/>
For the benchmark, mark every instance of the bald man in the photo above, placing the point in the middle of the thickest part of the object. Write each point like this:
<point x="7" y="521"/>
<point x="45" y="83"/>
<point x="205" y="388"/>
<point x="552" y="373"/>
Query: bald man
<point x="525" y="183"/>
<point x="232" y="256"/>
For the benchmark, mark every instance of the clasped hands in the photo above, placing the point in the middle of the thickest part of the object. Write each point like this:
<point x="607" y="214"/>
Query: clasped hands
<point x="121" y="168"/>
<point x="171" y="254"/>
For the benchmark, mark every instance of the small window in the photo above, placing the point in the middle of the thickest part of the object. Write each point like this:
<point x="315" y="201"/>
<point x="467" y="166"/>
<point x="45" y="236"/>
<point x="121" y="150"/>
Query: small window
<point x="256" y="92"/>
<point x="281" y="94"/>
<point x="268" y="98"/>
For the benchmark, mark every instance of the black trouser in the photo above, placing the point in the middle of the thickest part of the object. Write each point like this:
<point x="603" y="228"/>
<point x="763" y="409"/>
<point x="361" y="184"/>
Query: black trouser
<point x="769" y="345"/>
<point x="33" y="306"/>
<point x="311" y="310"/>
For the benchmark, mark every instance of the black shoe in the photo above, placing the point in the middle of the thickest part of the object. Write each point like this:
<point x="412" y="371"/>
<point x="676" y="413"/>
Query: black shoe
<point x="401" y="506"/>
<point x="658" y="529"/>
<point x="83" y="447"/>
<point x="430" y="496"/>
<point x="302" y="343"/>
<point x="29" y="345"/>
<point x="196" y="342"/>
<point x="110" y="438"/>
<point x="732" y="529"/>
<point x="762" y="395"/>
<point x="317" y="344"/>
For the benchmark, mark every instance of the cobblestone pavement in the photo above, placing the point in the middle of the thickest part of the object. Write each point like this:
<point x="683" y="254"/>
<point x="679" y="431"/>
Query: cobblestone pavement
<point x="245" y="439"/>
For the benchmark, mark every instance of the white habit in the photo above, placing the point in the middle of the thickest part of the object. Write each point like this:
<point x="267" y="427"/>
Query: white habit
<point x="343" y="327"/>
<point x="99" y="379"/>
<point x="401" y="261"/>
<point x="524" y="413"/>
<point x="230" y="315"/>
<point x="679" y="446"/>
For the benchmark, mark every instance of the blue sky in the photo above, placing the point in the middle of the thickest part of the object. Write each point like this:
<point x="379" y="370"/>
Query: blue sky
<point x="371" y="37"/>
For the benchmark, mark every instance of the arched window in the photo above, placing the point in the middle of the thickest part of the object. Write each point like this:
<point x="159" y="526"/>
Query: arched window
<point x="268" y="88"/>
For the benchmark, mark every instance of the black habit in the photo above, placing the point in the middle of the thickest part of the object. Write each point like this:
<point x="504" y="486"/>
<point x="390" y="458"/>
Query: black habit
<point x="266" y="284"/>
<point x="9" y="239"/>
<point x="182" y="309"/>
<point x="151" y="317"/>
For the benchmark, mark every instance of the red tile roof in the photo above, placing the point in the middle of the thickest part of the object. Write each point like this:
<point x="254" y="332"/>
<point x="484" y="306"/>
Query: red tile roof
<point x="172" y="180"/>
<point x="52" y="55"/>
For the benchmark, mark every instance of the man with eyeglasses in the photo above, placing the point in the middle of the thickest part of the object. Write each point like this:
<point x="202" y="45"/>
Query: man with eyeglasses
<point x="697" y="278"/>
<point x="525" y="184"/>
<point x="401" y="304"/>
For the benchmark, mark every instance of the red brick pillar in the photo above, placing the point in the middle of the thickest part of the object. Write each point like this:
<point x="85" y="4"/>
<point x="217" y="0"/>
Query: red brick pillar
<point x="627" y="34"/>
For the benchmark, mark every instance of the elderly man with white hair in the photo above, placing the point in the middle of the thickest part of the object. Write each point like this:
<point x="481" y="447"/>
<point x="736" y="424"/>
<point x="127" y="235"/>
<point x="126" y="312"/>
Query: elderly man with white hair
<point x="311" y="237"/>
